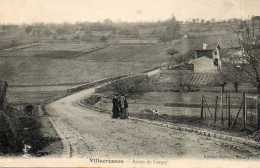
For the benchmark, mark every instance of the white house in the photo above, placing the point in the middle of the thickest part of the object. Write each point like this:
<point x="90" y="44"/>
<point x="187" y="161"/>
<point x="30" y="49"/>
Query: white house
<point x="206" y="60"/>
<point x="204" y="65"/>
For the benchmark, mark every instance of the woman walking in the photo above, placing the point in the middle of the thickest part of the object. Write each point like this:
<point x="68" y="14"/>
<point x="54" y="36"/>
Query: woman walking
<point x="115" y="108"/>
<point x="124" y="106"/>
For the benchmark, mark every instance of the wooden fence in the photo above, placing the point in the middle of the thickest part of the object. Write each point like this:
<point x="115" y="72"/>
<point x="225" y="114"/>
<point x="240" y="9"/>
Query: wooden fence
<point x="230" y="111"/>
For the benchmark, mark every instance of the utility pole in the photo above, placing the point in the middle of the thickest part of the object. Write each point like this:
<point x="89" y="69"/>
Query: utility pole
<point x="216" y="108"/>
<point x="229" y="107"/>
<point x="202" y="108"/>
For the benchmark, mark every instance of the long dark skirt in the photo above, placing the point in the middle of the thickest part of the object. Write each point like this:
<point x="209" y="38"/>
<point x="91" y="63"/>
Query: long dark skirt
<point x="124" y="114"/>
<point x="115" y="112"/>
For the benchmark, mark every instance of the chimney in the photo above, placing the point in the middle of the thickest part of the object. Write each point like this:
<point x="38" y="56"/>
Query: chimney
<point x="205" y="45"/>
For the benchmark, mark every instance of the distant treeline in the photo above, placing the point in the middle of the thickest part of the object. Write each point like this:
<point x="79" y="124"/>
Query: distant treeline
<point x="166" y="30"/>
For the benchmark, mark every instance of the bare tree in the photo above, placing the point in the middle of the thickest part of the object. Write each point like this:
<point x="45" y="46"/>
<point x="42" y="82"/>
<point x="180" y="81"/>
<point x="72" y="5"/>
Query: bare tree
<point x="251" y="55"/>
<point x="172" y="30"/>
<point x="247" y="67"/>
<point x="230" y="74"/>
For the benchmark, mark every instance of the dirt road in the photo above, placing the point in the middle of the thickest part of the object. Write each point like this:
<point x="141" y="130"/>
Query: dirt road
<point x="91" y="133"/>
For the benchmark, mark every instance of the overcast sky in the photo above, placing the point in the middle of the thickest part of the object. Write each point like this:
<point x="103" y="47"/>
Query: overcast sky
<point x="28" y="11"/>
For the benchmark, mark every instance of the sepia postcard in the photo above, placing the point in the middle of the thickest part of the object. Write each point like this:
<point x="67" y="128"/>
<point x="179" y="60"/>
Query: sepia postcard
<point x="130" y="83"/>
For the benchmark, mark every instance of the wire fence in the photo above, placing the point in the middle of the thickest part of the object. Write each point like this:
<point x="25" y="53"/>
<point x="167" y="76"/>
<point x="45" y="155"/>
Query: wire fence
<point x="231" y="110"/>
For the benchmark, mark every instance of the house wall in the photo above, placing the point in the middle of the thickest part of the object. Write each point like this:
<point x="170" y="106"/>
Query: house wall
<point x="204" y="65"/>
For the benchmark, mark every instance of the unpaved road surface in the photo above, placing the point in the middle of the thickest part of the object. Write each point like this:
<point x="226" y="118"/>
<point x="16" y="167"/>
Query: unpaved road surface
<point x="91" y="134"/>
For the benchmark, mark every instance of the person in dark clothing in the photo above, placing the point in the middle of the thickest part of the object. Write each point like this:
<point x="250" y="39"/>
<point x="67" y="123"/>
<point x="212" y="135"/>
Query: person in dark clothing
<point x="115" y="109"/>
<point x="124" y="107"/>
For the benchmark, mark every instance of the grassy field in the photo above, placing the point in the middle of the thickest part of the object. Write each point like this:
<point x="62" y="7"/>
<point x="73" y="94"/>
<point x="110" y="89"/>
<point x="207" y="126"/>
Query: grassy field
<point x="55" y="63"/>
<point x="59" y="62"/>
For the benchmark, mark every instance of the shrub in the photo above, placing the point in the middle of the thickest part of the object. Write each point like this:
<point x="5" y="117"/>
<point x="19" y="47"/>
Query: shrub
<point x="130" y="85"/>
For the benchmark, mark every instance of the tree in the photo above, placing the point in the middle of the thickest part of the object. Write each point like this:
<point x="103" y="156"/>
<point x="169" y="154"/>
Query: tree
<point x="60" y="31"/>
<point x="172" y="51"/>
<point x="130" y="85"/>
<point x="28" y="29"/>
<point x="103" y="39"/>
<point x="213" y="20"/>
<point x="108" y="21"/>
<point x="14" y="43"/>
<point x="230" y="74"/>
<point x="248" y="68"/>
<point x="172" y="30"/>
<point x="251" y="54"/>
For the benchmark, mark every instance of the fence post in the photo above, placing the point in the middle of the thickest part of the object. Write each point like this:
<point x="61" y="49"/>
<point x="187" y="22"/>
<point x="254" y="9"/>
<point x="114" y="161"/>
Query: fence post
<point x="202" y="106"/>
<point x="229" y="115"/>
<point x="244" y="110"/>
<point x="226" y="105"/>
<point x="216" y="107"/>
<point x="221" y="106"/>
<point x="257" y="113"/>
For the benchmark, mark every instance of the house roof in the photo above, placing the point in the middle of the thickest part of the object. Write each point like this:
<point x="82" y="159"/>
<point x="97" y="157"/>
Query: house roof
<point x="204" y="53"/>
<point x="203" y="58"/>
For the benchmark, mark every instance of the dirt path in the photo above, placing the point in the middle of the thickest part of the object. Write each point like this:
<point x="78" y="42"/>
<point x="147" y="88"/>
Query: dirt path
<point x="19" y="47"/>
<point x="95" y="134"/>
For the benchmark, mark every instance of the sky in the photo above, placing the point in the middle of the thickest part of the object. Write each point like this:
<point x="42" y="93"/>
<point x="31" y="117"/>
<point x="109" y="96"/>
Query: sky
<point x="59" y="11"/>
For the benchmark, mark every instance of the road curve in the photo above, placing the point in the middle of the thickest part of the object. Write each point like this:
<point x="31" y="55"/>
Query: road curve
<point x="89" y="133"/>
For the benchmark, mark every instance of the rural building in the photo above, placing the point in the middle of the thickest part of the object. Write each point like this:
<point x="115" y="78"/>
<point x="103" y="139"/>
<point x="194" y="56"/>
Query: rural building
<point x="206" y="60"/>
<point x="204" y="65"/>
